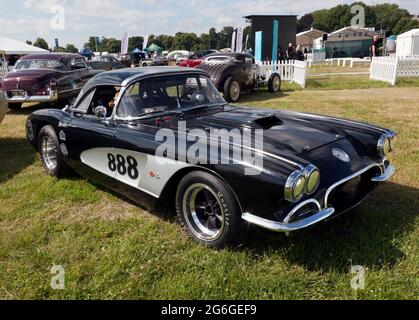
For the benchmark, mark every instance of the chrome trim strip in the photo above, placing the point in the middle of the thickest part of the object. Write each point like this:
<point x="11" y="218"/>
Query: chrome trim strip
<point x="53" y="96"/>
<point x="388" y="173"/>
<point x="288" y="227"/>
<point x="352" y="176"/>
<point x="299" y="206"/>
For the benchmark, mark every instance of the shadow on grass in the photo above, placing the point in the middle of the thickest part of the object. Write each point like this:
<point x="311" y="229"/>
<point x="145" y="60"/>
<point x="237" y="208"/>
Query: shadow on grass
<point x="367" y="235"/>
<point x="15" y="155"/>
<point x="262" y="95"/>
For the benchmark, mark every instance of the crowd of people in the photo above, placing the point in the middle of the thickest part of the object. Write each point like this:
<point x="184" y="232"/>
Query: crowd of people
<point x="292" y="53"/>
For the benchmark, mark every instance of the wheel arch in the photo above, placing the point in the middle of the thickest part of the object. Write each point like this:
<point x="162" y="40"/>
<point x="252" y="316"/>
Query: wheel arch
<point x="168" y="195"/>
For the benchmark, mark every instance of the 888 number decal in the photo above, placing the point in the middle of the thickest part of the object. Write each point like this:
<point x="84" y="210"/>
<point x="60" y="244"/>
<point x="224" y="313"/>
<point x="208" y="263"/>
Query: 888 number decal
<point x="124" y="166"/>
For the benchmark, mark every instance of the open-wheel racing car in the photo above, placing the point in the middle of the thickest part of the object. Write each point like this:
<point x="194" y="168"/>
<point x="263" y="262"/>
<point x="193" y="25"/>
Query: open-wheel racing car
<point x="313" y="167"/>
<point x="234" y="73"/>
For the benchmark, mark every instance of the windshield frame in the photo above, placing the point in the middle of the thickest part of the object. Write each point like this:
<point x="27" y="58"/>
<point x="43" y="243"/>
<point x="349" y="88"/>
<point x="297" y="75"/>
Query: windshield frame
<point x="125" y="88"/>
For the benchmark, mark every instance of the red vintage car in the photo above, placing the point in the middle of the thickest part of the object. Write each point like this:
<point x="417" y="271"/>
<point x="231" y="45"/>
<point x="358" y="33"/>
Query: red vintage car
<point x="48" y="77"/>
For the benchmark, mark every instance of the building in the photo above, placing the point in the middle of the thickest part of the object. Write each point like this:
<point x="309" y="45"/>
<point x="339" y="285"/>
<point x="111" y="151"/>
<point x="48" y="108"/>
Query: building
<point x="306" y="38"/>
<point x="348" y="42"/>
<point x="286" y="33"/>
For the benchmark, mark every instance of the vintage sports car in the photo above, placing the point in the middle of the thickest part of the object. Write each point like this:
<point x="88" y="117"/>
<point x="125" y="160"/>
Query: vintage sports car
<point x="47" y="77"/>
<point x="105" y="63"/>
<point x="314" y="167"/>
<point x="233" y="73"/>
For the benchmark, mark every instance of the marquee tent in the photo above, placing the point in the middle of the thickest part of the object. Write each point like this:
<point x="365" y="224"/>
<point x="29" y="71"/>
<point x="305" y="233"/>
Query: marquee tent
<point x="9" y="46"/>
<point x="408" y="43"/>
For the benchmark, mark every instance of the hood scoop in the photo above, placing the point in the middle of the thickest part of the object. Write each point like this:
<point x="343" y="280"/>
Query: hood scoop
<point x="269" y="121"/>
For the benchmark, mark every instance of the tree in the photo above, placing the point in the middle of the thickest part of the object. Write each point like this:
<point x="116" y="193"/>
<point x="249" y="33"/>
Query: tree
<point x="41" y="43"/>
<point x="224" y="37"/>
<point x="305" y="22"/>
<point x="185" y="41"/>
<point x="71" y="48"/>
<point x="405" y="24"/>
<point x="388" y="15"/>
<point x="135" y="42"/>
<point x="29" y="42"/>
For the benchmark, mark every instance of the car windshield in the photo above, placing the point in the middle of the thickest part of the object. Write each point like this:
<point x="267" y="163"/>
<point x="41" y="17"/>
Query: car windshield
<point x="39" y="64"/>
<point x="170" y="93"/>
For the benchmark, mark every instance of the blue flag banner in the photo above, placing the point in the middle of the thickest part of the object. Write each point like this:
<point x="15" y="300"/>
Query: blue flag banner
<point x="258" y="45"/>
<point x="275" y="41"/>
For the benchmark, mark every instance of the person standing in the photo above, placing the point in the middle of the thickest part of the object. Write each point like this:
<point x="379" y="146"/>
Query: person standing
<point x="374" y="46"/>
<point x="299" y="54"/>
<point x="290" y="52"/>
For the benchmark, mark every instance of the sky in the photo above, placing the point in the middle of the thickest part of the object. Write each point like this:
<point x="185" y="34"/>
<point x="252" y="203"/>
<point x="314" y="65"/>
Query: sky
<point x="73" y="21"/>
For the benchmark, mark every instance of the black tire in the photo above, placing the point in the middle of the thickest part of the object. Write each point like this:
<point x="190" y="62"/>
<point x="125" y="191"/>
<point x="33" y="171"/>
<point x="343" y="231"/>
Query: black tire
<point x="60" y="169"/>
<point x="229" y="86"/>
<point x="274" y="84"/>
<point x="198" y="190"/>
<point x="15" y="106"/>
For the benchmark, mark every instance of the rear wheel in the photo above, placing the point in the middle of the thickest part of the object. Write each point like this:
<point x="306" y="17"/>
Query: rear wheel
<point x="274" y="84"/>
<point x="208" y="211"/>
<point x="50" y="152"/>
<point x="232" y="90"/>
<point x="15" y="106"/>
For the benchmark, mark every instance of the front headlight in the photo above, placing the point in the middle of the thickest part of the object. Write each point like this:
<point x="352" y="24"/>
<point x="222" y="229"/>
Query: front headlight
<point x="295" y="186"/>
<point x="312" y="177"/>
<point x="385" y="143"/>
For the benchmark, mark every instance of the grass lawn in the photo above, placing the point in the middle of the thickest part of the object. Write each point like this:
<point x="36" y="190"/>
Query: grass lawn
<point x="111" y="248"/>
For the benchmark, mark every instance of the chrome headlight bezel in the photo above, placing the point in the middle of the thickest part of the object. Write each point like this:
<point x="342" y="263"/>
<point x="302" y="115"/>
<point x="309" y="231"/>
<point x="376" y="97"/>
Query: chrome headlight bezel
<point x="291" y="183"/>
<point x="310" y="172"/>
<point x="384" y="144"/>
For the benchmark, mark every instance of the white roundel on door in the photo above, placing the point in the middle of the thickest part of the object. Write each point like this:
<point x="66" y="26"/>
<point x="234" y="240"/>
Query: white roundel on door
<point x="145" y="172"/>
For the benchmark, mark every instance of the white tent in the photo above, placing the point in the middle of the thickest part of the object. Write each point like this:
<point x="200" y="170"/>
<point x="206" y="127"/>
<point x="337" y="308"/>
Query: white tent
<point x="408" y="44"/>
<point x="10" y="46"/>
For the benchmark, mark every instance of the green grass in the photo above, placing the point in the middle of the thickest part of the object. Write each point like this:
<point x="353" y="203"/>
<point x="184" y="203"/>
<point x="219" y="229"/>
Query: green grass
<point x="111" y="248"/>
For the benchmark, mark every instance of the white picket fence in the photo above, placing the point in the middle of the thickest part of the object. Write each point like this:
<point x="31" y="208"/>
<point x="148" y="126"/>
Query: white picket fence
<point x="292" y="70"/>
<point x="388" y="69"/>
<point x="4" y="70"/>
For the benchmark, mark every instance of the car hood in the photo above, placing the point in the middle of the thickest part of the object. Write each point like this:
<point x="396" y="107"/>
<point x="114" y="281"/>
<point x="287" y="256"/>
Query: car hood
<point x="283" y="132"/>
<point x="26" y="79"/>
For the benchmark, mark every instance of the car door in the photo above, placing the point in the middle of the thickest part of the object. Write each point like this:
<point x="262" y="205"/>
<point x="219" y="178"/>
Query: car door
<point x="250" y="72"/>
<point x="89" y="140"/>
<point x="81" y="72"/>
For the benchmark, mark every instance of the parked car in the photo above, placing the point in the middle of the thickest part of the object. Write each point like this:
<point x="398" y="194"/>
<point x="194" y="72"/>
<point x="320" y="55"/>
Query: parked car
<point x="47" y="77"/>
<point x="126" y="60"/>
<point x="105" y="63"/>
<point x="312" y="167"/>
<point x="193" y="61"/>
<point x="3" y="106"/>
<point x="233" y="73"/>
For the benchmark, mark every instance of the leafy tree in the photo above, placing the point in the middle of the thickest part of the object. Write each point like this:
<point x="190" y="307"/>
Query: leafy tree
<point x="185" y="41"/>
<point x="135" y="42"/>
<point x="41" y="43"/>
<point x="71" y="48"/>
<point x="305" y="22"/>
<point x="405" y="24"/>
<point x="388" y="15"/>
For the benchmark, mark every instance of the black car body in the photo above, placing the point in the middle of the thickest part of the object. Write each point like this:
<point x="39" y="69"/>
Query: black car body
<point x="105" y="63"/>
<point x="314" y="167"/>
<point x="233" y="73"/>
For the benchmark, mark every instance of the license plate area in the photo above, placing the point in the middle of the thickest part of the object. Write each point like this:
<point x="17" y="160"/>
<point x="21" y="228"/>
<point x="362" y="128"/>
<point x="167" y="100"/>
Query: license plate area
<point x="18" y="93"/>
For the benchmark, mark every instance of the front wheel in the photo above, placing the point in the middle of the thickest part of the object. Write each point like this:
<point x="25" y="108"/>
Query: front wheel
<point x="232" y="90"/>
<point x="50" y="152"/>
<point x="274" y="84"/>
<point x="208" y="211"/>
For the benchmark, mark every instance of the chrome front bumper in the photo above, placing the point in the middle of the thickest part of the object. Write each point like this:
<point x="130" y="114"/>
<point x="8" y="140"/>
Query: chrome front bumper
<point x="51" y="97"/>
<point x="321" y="214"/>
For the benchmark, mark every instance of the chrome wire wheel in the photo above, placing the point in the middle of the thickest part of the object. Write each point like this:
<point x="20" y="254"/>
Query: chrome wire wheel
<point x="276" y="83"/>
<point x="203" y="212"/>
<point x="235" y="91"/>
<point x="49" y="152"/>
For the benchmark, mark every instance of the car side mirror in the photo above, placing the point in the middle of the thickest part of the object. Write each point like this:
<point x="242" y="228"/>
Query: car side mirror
<point x="100" y="112"/>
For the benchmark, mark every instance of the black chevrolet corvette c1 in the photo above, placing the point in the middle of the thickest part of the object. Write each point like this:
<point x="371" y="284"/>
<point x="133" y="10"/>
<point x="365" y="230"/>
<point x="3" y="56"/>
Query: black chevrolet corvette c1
<point x="310" y="168"/>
